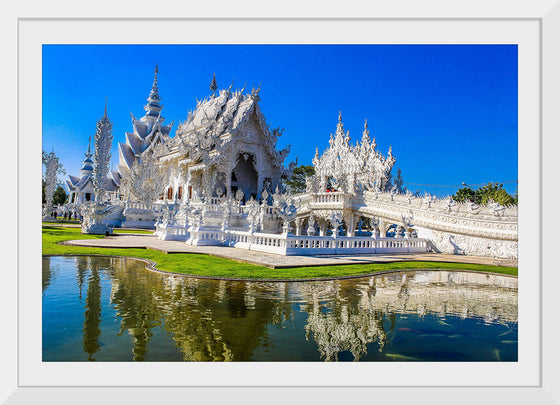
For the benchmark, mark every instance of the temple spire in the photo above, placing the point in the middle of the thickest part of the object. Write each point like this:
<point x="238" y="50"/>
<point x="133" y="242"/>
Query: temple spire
<point x="87" y="164"/>
<point x="214" y="84"/>
<point x="340" y="126"/>
<point x="365" y="135"/>
<point x="88" y="153"/>
<point x="153" y="108"/>
<point x="154" y="93"/>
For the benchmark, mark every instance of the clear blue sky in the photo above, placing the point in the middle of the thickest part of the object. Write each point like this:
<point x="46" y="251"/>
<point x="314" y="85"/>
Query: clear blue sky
<point x="449" y="111"/>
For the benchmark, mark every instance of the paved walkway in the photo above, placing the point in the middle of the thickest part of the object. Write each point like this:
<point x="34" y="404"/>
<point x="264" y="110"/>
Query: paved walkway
<point x="271" y="260"/>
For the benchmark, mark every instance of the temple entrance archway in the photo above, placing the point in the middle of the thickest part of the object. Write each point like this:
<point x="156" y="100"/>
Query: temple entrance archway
<point x="244" y="176"/>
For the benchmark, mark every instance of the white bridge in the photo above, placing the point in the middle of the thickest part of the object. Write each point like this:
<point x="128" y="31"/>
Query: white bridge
<point x="341" y="223"/>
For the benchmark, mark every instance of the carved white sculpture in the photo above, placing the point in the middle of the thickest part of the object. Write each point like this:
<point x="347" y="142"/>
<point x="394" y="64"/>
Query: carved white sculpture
<point x="351" y="169"/>
<point x="102" y="155"/>
<point x="145" y="182"/>
<point x="50" y="185"/>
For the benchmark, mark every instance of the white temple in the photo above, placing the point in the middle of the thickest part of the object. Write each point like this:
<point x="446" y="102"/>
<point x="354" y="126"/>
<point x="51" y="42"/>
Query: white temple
<point x="218" y="181"/>
<point x="81" y="188"/>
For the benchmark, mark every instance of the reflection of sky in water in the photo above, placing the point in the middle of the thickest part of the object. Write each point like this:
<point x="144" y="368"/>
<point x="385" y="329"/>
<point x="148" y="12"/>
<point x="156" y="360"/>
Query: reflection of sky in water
<point x="112" y="309"/>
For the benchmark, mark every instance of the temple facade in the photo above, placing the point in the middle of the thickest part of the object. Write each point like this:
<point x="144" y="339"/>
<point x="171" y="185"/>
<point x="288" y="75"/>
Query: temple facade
<point x="218" y="181"/>
<point x="225" y="147"/>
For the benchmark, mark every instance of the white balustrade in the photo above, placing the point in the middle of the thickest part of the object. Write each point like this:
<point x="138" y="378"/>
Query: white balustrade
<point x="313" y="245"/>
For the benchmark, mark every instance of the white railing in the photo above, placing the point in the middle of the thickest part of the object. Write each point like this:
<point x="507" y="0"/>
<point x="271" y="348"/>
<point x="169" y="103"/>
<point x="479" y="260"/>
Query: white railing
<point x="312" y="245"/>
<point x="138" y="205"/>
<point x="316" y="245"/>
<point x="179" y="233"/>
<point x="332" y="197"/>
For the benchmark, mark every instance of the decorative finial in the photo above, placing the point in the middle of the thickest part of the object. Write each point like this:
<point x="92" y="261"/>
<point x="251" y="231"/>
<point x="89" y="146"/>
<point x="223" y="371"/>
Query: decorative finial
<point x="213" y="84"/>
<point x="340" y="126"/>
<point x="255" y="92"/>
<point x="105" y="106"/>
<point x="154" y="95"/>
<point x="365" y="134"/>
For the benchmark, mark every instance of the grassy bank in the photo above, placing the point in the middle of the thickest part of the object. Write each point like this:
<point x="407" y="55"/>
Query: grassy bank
<point x="204" y="265"/>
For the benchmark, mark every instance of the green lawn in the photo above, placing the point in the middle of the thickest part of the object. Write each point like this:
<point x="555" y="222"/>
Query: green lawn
<point x="204" y="265"/>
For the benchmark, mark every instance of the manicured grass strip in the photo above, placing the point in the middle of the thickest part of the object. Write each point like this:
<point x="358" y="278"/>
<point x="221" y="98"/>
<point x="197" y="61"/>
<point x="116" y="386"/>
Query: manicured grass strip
<point x="63" y="221"/>
<point x="116" y="230"/>
<point x="205" y="265"/>
<point x="61" y="224"/>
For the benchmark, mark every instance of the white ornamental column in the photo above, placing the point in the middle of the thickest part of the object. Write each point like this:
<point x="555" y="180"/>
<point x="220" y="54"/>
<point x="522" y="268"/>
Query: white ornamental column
<point x="50" y="185"/>
<point x="298" y="226"/>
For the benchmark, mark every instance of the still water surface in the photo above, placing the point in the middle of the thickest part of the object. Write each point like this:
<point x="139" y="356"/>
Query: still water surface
<point x="113" y="309"/>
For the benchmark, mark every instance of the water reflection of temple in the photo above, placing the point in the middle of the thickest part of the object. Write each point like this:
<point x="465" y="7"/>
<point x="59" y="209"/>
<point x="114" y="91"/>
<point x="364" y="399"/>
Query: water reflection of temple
<point x="345" y="316"/>
<point x="220" y="320"/>
<point x="212" y="320"/>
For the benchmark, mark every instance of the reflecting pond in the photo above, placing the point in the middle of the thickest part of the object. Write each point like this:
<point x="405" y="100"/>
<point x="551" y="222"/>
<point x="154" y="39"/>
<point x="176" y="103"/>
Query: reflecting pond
<point x="113" y="309"/>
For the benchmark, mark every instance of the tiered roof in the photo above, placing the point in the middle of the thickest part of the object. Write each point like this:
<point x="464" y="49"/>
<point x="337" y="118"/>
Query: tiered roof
<point x="78" y="183"/>
<point x="148" y="131"/>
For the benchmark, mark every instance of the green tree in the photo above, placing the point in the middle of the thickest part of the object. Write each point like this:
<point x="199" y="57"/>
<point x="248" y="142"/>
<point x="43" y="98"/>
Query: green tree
<point x="501" y="196"/>
<point x="465" y="194"/>
<point x="483" y="195"/>
<point x="60" y="196"/>
<point x="296" y="183"/>
<point x="44" y="200"/>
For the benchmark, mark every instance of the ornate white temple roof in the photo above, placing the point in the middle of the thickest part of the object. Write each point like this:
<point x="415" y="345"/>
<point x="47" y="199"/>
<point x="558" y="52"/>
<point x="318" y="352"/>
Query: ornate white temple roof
<point x="220" y="118"/>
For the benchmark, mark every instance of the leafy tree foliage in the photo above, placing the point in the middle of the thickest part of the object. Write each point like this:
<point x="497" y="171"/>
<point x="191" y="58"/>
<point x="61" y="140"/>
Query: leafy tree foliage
<point x="60" y="196"/>
<point x="466" y="194"/>
<point x="483" y="195"/>
<point x="296" y="183"/>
